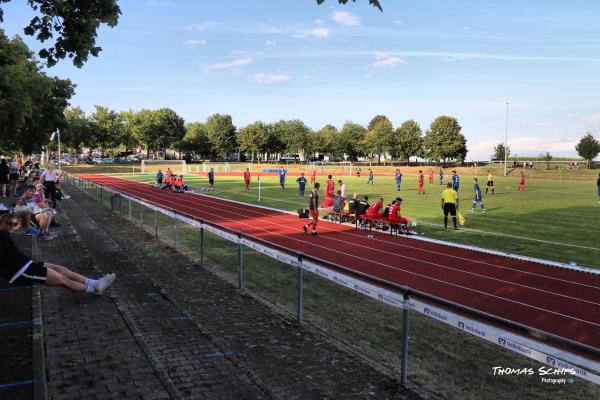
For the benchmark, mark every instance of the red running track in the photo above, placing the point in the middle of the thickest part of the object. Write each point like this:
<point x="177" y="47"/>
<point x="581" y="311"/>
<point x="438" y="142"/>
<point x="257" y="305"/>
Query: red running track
<point x="560" y="301"/>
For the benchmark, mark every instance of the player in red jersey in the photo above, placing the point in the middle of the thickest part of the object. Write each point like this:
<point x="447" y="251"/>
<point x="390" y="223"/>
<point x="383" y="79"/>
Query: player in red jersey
<point x="394" y="214"/>
<point x="430" y="174"/>
<point x="330" y="188"/>
<point x="521" y="187"/>
<point x="247" y="177"/>
<point x="421" y="181"/>
<point x="376" y="209"/>
<point x="313" y="176"/>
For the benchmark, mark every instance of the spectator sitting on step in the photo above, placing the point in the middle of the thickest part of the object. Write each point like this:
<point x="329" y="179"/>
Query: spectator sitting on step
<point x="19" y="269"/>
<point x="42" y="217"/>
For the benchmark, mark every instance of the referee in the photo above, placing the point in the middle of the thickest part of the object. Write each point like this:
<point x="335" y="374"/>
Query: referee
<point x="450" y="204"/>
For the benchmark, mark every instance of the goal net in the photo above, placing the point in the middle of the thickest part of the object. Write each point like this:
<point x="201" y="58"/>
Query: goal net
<point x="152" y="166"/>
<point x="343" y="168"/>
<point x="218" y="167"/>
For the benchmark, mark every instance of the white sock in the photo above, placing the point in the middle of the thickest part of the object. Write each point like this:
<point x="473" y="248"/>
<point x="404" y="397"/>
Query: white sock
<point x="91" y="282"/>
<point x="89" y="289"/>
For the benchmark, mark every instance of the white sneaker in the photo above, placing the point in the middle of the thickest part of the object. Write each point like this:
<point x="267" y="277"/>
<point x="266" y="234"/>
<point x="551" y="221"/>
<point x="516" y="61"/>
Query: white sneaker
<point x="104" y="283"/>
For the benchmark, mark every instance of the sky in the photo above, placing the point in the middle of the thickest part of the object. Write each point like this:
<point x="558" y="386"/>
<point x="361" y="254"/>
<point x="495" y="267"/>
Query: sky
<point x="283" y="59"/>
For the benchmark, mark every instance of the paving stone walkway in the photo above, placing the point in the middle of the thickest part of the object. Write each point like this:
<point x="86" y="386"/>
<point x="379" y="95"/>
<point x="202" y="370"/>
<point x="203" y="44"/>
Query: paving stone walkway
<point x="169" y="329"/>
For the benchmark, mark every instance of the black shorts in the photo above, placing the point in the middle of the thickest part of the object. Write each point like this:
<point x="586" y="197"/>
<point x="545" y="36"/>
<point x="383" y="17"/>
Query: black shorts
<point x="35" y="273"/>
<point x="211" y="181"/>
<point x="449" y="208"/>
<point x="14" y="176"/>
<point x="490" y="183"/>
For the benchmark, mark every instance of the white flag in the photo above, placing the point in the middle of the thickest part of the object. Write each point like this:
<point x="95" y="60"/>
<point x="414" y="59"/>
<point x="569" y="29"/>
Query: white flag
<point x="52" y="136"/>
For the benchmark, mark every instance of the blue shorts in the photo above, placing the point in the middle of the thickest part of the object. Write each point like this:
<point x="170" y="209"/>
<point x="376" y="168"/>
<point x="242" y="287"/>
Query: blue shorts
<point x="477" y="199"/>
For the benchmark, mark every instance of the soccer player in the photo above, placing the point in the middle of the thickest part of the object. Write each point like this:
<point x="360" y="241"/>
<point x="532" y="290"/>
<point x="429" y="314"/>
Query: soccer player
<point x="455" y="181"/>
<point x="598" y="184"/>
<point x="313" y="176"/>
<point x="358" y="170"/>
<point x="521" y="187"/>
<point x="282" y="173"/>
<point x="247" y="177"/>
<point x="159" y="179"/>
<point x="330" y="187"/>
<point x="301" y="185"/>
<point x="211" y="178"/>
<point x="490" y="183"/>
<point x="398" y="178"/>
<point x="449" y="204"/>
<point x="313" y="210"/>
<point x="394" y="216"/>
<point x="421" y="182"/>
<point x="441" y="177"/>
<point x="376" y="209"/>
<point x="430" y="174"/>
<point x="370" y="180"/>
<point x="478" y="198"/>
<point x="169" y="172"/>
<point x="342" y="188"/>
<point x="178" y="184"/>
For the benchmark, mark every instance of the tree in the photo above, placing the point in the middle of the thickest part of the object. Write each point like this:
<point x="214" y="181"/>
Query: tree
<point x="129" y="131"/>
<point x="379" y="138"/>
<point x="254" y="138"/>
<point x="351" y="139"/>
<point x="547" y="158"/>
<point x="408" y="141"/>
<point x="32" y="104"/>
<point x="322" y="141"/>
<point x="171" y="128"/>
<point x="588" y="148"/>
<point x="77" y="131"/>
<point x="295" y="136"/>
<point x="195" y="139"/>
<point x="221" y="133"/>
<point x="73" y="23"/>
<point x="375" y="3"/>
<point x="443" y="140"/>
<point x="106" y="128"/>
<point x="499" y="152"/>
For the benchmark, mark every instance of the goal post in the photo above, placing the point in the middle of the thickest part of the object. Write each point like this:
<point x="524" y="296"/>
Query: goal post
<point x="152" y="166"/>
<point x="218" y="167"/>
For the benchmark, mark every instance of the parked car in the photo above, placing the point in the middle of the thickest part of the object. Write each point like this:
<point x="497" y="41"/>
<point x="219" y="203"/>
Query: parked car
<point x="97" y="160"/>
<point x="290" y="158"/>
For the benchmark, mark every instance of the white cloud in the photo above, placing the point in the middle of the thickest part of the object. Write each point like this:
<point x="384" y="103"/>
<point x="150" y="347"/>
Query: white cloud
<point x="264" y="79"/>
<point x="270" y="29"/>
<point x="319" y="21"/>
<point x="383" y="60"/>
<point x="194" y="42"/>
<point x="270" y="43"/>
<point x="592" y="120"/>
<point x="319" y="33"/>
<point x="345" y="18"/>
<point x="202" y="26"/>
<point x="157" y="3"/>
<point x="397" y="22"/>
<point x="230" y="65"/>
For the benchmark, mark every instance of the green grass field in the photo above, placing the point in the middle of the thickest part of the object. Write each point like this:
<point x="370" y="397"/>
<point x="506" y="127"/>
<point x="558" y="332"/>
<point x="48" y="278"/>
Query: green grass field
<point x="553" y="220"/>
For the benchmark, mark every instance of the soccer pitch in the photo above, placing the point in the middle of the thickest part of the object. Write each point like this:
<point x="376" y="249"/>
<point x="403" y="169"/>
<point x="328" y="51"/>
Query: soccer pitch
<point x="552" y="219"/>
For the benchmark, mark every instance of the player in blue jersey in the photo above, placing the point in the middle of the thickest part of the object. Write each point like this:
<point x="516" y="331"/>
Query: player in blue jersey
<point x="598" y="183"/>
<point x="455" y="181"/>
<point x="477" y="198"/>
<point x="282" y="173"/>
<point x="301" y="185"/>
<point x="371" y="179"/>
<point x="398" y="178"/>
<point x="211" y="179"/>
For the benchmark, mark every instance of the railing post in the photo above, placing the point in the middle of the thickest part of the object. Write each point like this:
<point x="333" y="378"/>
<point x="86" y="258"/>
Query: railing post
<point x="156" y="221"/>
<point x="101" y="191"/>
<point x="405" y="314"/>
<point x="201" y="244"/>
<point x="299" y="305"/>
<point x="176" y="233"/>
<point x="130" y="208"/>
<point x="141" y="216"/>
<point x="241" y="263"/>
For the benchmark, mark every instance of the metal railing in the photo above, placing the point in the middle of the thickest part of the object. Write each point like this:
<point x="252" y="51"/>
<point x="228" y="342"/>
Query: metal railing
<point x="405" y="291"/>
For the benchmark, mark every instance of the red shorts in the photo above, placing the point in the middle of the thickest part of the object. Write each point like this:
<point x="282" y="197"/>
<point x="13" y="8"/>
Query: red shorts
<point x="313" y="214"/>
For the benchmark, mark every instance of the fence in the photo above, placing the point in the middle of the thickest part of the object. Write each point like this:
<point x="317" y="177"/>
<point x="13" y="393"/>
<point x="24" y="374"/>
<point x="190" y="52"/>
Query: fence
<point x="491" y="328"/>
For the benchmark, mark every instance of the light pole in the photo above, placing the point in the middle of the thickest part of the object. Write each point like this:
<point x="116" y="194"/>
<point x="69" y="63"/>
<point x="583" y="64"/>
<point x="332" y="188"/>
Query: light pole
<point x="506" y="140"/>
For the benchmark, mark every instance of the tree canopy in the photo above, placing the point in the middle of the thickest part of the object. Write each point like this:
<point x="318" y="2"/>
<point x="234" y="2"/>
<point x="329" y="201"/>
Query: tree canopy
<point x="221" y="133"/>
<point x="408" y="141"/>
<point x="588" y="148"/>
<point x="499" y="150"/>
<point x="32" y="104"/>
<point x="443" y="140"/>
<point x="74" y="25"/>
<point x="375" y="3"/>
